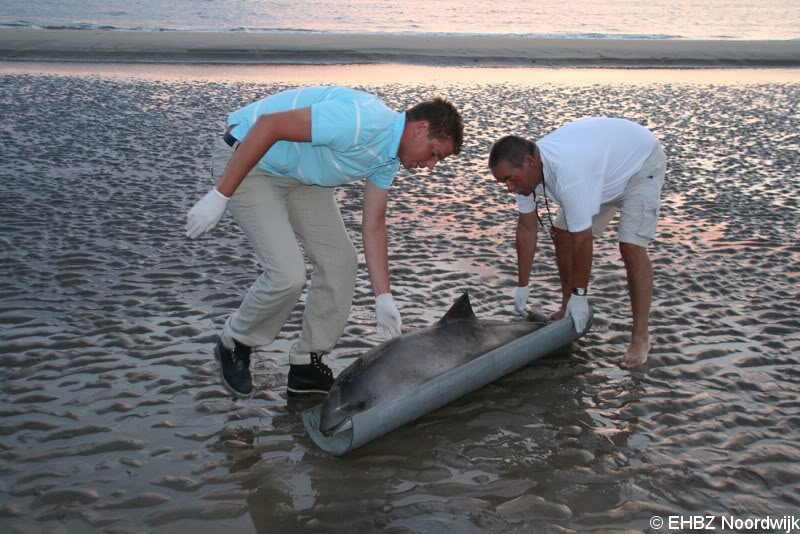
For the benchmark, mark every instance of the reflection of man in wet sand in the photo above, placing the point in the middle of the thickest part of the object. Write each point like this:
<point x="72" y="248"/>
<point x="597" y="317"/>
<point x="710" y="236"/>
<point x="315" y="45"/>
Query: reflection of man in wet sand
<point x="592" y="168"/>
<point x="276" y="169"/>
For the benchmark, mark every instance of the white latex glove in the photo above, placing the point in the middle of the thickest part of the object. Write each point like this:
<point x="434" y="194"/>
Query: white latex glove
<point x="389" y="321"/>
<point x="578" y="309"/>
<point x="206" y="213"/>
<point x="521" y="299"/>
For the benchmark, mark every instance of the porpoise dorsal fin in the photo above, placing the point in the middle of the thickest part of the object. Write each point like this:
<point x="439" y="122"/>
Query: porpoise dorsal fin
<point x="460" y="310"/>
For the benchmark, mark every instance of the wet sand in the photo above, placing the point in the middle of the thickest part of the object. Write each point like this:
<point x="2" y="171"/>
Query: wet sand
<point x="341" y="48"/>
<point x="113" y="417"/>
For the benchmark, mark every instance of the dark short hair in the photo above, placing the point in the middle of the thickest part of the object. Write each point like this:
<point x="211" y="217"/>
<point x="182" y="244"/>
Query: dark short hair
<point x="511" y="148"/>
<point x="443" y="118"/>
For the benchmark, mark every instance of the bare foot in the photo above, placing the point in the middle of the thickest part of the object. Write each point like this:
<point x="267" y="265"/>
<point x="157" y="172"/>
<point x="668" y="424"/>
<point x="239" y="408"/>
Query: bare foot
<point x="636" y="354"/>
<point x="558" y="315"/>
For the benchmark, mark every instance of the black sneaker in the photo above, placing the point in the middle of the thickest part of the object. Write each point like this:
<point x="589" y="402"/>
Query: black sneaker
<point x="234" y="367"/>
<point x="315" y="377"/>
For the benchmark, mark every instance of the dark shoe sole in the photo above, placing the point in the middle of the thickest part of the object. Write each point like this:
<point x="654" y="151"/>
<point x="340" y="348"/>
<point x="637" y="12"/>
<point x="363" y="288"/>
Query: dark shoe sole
<point x="227" y="386"/>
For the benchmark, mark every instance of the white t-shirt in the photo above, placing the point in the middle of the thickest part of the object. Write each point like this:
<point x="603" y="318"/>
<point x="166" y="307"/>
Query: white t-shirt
<point x="587" y="163"/>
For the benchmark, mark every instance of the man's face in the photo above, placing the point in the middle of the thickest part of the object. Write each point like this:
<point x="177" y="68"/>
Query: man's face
<point x="419" y="150"/>
<point x="521" y="180"/>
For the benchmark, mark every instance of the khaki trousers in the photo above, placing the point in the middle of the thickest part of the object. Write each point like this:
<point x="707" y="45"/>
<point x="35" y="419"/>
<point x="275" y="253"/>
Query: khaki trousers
<point x="275" y="212"/>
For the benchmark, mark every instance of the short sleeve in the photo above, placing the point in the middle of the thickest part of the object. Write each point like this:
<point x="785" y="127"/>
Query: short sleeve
<point x="384" y="179"/>
<point x="526" y="204"/>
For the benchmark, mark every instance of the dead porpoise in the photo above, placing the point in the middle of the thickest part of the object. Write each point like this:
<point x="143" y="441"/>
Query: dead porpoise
<point x="393" y="369"/>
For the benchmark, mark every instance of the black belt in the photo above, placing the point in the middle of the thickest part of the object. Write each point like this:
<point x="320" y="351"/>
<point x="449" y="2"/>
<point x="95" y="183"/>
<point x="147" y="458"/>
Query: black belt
<point x="230" y="140"/>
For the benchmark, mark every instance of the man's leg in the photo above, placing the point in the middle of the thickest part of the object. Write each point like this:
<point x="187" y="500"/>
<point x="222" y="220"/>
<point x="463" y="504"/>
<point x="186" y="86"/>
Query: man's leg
<point x="637" y="228"/>
<point x="259" y="207"/>
<point x="318" y="223"/>
<point x="639" y="271"/>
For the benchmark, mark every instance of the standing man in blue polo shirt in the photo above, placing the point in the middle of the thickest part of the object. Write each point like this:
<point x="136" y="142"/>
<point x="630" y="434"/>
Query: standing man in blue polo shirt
<point x="276" y="169"/>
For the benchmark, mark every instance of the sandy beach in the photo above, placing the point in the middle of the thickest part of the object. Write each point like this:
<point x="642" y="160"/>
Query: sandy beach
<point x="113" y="416"/>
<point x="304" y="47"/>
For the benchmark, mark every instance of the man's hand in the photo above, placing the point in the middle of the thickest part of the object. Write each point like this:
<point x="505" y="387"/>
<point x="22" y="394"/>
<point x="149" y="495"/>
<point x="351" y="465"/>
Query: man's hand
<point x="578" y="309"/>
<point x="521" y="300"/>
<point x="206" y="213"/>
<point x="389" y="322"/>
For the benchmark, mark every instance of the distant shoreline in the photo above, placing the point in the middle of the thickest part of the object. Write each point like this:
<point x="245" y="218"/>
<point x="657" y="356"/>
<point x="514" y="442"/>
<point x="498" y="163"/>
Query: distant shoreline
<point x="24" y="44"/>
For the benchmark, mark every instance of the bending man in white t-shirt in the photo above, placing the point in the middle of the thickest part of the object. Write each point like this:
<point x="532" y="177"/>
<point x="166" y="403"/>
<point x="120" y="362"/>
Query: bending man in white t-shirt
<point x="592" y="168"/>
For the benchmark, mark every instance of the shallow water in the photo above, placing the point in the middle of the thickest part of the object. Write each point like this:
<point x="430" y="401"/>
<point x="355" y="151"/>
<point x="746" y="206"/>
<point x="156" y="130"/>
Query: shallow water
<point x="579" y="19"/>
<point x="113" y="417"/>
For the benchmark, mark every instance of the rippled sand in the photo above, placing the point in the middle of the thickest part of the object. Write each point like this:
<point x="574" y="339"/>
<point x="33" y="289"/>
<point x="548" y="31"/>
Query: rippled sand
<point x="113" y="417"/>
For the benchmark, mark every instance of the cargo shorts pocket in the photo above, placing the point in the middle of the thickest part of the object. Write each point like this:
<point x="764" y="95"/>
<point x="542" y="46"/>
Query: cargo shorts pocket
<point x="649" y="220"/>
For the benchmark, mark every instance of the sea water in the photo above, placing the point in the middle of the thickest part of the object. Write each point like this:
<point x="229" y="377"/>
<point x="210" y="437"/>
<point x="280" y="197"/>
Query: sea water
<point x="580" y="19"/>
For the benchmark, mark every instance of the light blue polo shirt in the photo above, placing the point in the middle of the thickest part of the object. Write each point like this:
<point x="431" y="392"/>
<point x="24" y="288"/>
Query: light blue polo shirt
<point x="354" y="136"/>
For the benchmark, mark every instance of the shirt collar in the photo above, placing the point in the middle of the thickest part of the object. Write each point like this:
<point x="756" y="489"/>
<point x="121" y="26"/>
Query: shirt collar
<point x="397" y="133"/>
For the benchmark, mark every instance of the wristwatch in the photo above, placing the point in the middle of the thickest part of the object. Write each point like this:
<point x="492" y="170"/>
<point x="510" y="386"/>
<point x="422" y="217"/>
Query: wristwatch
<point x="580" y="291"/>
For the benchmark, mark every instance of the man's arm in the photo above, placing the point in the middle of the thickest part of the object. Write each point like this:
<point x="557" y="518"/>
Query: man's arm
<point x="376" y="242"/>
<point x="376" y="251"/>
<point x="578" y="304"/>
<point x="525" y="242"/>
<point x="294" y="125"/>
